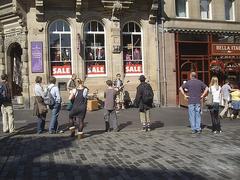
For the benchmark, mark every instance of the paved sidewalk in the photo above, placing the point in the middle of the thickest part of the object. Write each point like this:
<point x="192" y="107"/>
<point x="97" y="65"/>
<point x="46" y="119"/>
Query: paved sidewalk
<point x="167" y="152"/>
<point x="159" y="154"/>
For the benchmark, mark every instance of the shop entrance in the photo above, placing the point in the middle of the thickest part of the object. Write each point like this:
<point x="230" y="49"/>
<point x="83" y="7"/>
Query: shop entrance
<point x="14" y="69"/>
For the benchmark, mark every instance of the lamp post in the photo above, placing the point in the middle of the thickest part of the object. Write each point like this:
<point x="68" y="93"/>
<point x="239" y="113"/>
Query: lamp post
<point x="164" y="78"/>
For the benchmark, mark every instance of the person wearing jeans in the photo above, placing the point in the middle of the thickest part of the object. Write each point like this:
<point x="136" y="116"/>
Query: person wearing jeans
<point x="54" y="90"/>
<point x="196" y="91"/>
<point x="110" y="115"/>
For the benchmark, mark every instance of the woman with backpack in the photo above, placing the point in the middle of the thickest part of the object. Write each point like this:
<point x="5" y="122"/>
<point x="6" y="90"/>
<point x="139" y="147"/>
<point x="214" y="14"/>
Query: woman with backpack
<point x="215" y="90"/>
<point x="79" y="108"/>
<point x="144" y="100"/>
<point x="40" y="108"/>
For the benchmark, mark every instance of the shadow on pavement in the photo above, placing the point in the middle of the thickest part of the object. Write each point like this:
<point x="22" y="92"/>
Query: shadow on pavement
<point x="157" y="124"/>
<point x="124" y="125"/>
<point x="34" y="170"/>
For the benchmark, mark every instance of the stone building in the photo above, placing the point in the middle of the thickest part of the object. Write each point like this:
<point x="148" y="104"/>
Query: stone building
<point x="95" y="39"/>
<point x="201" y="36"/>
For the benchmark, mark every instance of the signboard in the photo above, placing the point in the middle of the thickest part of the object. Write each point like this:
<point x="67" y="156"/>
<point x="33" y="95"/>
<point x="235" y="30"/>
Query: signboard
<point x="95" y="69"/>
<point x="37" y="56"/>
<point x="61" y="70"/>
<point x="133" y="68"/>
<point x="225" y="49"/>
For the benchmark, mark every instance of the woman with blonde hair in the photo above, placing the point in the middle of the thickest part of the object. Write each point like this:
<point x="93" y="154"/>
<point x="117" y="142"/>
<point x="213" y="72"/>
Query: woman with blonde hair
<point x="215" y="89"/>
<point x="78" y="111"/>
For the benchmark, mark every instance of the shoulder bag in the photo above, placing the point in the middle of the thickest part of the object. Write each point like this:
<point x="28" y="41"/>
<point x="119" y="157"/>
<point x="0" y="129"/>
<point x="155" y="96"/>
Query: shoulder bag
<point x="209" y="98"/>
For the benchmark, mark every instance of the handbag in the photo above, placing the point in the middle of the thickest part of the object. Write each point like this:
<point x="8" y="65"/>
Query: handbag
<point x="209" y="99"/>
<point x="41" y="107"/>
<point x="69" y="105"/>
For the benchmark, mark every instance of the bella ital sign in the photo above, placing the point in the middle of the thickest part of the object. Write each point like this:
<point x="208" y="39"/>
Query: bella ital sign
<point x="225" y="49"/>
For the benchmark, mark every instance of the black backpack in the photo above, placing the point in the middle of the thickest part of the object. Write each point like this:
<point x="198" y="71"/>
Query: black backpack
<point x="147" y="96"/>
<point x="49" y="99"/>
<point x="3" y="94"/>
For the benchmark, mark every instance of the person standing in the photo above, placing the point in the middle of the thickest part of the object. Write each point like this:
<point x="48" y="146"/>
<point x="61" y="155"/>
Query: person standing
<point x="71" y="83"/>
<point x="118" y="84"/>
<point x="144" y="100"/>
<point x="79" y="109"/>
<point x="196" y="91"/>
<point x="40" y="108"/>
<point x="55" y="93"/>
<point x="225" y="92"/>
<point x="215" y="89"/>
<point x="6" y="107"/>
<point x="110" y="115"/>
<point x="235" y="102"/>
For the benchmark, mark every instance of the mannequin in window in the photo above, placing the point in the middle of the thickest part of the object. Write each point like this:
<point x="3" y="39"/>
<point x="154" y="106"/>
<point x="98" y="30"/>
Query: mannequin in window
<point x="90" y="55"/>
<point x="129" y="55"/>
<point x="100" y="53"/>
<point x="137" y="54"/>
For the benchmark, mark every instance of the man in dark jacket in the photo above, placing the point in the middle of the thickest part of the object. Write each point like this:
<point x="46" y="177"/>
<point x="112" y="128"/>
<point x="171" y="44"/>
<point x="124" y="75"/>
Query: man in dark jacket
<point x="144" y="100"/>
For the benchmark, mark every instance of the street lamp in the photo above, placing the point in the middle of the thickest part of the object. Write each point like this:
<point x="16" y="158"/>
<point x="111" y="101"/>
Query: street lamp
<point x="164" y="78"/>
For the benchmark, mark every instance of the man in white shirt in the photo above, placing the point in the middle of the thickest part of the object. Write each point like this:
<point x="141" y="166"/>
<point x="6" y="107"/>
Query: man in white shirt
<point x="225" y="92"/>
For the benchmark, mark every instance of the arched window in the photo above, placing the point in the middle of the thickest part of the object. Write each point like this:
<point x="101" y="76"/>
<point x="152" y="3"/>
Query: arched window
<point x="60" y="48"/>
<point x="132" y="48"/>
<point x="95" y="48"/>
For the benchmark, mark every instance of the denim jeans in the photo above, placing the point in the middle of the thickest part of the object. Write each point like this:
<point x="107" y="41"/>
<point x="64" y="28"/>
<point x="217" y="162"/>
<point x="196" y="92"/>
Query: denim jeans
<point x="54" y="118"/>
<point x="41" y="123"/>
<point x="194" y="112"/>
<point x="111" y="117"/>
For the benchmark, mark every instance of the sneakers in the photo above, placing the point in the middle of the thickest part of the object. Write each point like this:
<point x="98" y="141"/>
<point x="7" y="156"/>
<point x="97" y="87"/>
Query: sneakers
<point x="72" y="130"/>
<point x="144" y="128"/>
<point x="80" y="135"/>
<point x="214" y="132"/>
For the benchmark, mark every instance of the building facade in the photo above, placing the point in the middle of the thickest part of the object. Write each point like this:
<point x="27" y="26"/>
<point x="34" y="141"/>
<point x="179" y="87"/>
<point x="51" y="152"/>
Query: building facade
<point x="95" y="39"/>
<point x="201" y="36"/>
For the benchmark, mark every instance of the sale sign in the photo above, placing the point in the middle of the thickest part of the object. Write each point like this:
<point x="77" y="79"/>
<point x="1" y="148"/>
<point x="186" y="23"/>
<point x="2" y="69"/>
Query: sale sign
<point x="96" y="69"/>
<point x="133" y="68"/>
<point x="61" y="70"/>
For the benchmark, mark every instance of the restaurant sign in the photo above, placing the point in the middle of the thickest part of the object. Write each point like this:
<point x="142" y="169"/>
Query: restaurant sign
<point x="225" y="49"/>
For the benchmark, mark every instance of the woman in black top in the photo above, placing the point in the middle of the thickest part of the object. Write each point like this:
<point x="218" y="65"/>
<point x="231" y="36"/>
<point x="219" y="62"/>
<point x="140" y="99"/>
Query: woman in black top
<point x="78" y="111"/>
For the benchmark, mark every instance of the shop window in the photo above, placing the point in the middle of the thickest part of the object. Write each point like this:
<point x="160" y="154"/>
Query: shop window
<point x="132" y="48"/>
<point x="60" y="48"/>
<point x="95" y="61"/>
<point x="229" y="9"/>
<point x="181" y="8"/>
<point x="205" y="9"/>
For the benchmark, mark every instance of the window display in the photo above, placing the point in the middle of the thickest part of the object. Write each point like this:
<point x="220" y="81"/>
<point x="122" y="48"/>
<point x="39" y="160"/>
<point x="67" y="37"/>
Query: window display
<point x="132" y="48"/>
<point x="60" y="48"/>
<point x="95" y="48"/>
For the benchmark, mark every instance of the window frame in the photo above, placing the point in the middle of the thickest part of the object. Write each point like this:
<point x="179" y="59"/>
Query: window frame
<point x="141" y="47"/>
<point x="209" y="10"/>
<point x="233" y="10"/>
<point x="60" y="47"/>
<point x="95" y="47"/>
<point x="187" y="10"/>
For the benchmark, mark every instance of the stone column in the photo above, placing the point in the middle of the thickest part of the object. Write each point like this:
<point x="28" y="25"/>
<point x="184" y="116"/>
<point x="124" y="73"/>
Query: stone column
<point x="25" y="74"/>
<point x="117" y="63"/>
<point x="2" y="63"/>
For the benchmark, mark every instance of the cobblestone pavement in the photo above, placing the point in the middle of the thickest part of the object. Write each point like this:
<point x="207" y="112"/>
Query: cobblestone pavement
<point x="133" y="155"/>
